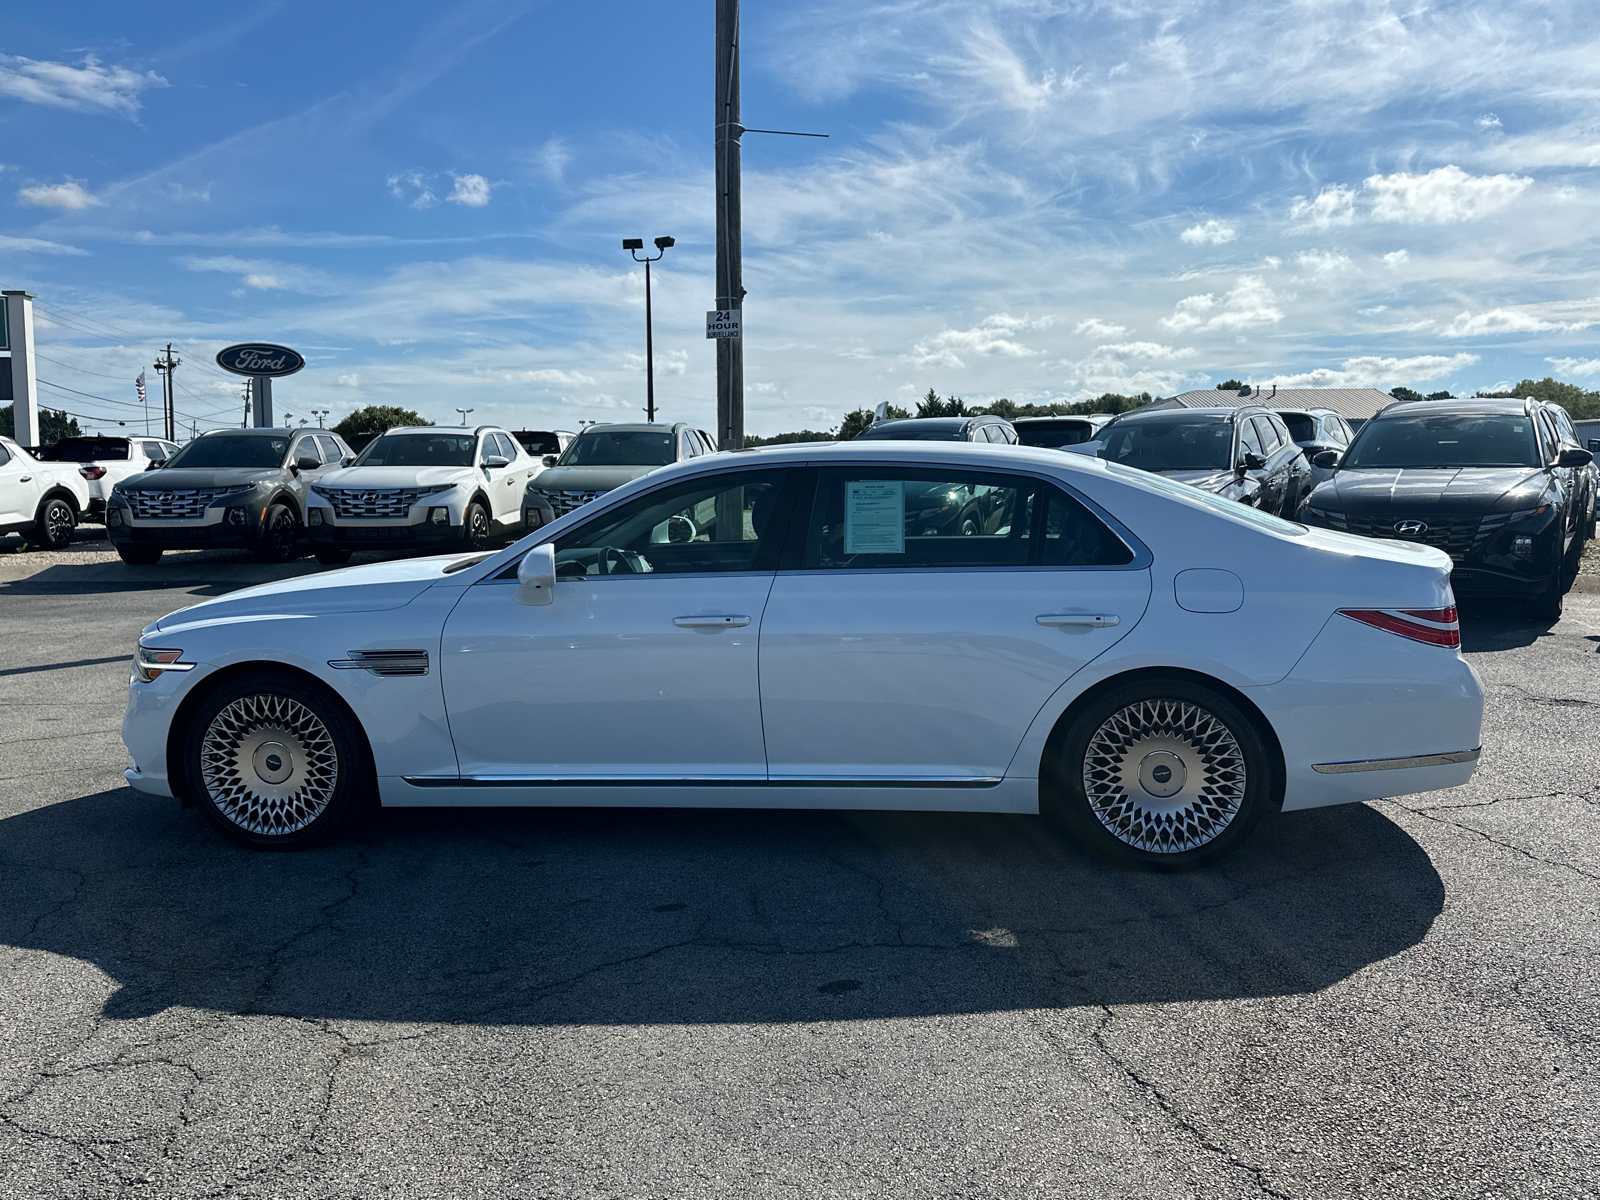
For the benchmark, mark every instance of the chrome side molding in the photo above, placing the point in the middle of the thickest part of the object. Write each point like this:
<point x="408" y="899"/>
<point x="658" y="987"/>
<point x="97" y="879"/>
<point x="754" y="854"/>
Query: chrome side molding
<point x="757" y="781"/>
<point x="1395" y="764"/>
<point x="383" y="662"/>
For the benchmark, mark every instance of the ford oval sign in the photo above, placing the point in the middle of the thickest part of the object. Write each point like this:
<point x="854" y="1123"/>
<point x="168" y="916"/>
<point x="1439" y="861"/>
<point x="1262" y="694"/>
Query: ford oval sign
<point x="260" y="358"/>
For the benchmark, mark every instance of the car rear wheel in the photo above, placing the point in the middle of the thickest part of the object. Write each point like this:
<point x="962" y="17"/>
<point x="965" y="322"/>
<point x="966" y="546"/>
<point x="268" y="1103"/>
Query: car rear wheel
<point x="1163" y="774"/>
<point x="52" y="528"/>
<point x="275" y="762"/>
<point x="280" y="535"/>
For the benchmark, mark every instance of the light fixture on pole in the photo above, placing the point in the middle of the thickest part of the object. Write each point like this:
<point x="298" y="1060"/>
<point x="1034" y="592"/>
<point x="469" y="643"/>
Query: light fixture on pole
<point x="633" y="246"/>
<point x="464" y="412"/>
<point x="319" y="414"/>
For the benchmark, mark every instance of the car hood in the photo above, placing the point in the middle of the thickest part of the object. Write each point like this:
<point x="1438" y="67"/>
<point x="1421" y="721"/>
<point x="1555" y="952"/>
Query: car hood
<point x="203" y="477"/>
<point x="1206" y="480"/>
<point x="366" y="588"/>
<point x="395" y="477"/>
<point x="589" y="479"/>
<point x="1431" y="489"/>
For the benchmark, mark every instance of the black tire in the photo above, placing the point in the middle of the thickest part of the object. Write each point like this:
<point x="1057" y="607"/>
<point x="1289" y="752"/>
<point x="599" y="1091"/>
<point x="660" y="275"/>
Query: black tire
<point x="475" y="527"/>
<point x="53" y="526"/>
<point x="1547" y="605"/>
<point x="1150" y="736"/>
<point x="276" y="762"/>
<point x="139" y="556"/>
<point x="279" y="541"/>
<point x="334" y="558"/>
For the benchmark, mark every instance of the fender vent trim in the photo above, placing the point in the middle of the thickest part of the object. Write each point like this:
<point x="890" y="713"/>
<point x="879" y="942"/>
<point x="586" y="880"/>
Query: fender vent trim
<point x="384" y="662"/>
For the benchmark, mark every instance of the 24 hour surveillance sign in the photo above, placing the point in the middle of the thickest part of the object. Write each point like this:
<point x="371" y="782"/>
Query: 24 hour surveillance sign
<point x="723" y="323"/>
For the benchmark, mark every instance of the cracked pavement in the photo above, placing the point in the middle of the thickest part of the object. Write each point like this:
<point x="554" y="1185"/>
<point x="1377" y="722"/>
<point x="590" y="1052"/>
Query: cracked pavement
<point x="1394" y="999"/>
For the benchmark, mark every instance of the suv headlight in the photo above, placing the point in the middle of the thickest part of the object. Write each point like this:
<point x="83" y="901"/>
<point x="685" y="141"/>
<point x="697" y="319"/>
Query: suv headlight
<point x="437" y="488"/>
<point x="1337" y="520"/>
<point x="237" y="489"/>
<point x="1527" y="514"/>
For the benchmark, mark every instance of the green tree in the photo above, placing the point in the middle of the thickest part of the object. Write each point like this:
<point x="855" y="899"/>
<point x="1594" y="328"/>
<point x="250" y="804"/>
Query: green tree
<point x="784" y="439"/>
<point x="855" y="422"/>
<point x="53" y="425"/>
<point x="1405" y="393"/>
<point x="932" y="406"/>
<point x="1229" y="385"/>
<point x="1582" y="405"/>
<point x="375" y="419"/>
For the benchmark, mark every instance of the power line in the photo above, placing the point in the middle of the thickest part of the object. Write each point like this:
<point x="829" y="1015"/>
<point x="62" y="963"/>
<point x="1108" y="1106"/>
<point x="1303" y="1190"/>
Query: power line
<point x="82" y="370"/>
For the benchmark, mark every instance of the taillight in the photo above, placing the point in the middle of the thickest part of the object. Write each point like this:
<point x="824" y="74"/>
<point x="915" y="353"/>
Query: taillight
<point x="1436" y="626"/>
<point x="91" y="472"/>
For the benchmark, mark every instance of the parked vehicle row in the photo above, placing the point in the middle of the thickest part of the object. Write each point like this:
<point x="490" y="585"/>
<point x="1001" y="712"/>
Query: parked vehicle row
<point x="40" y="500"/>
<point x="874" y="624"/>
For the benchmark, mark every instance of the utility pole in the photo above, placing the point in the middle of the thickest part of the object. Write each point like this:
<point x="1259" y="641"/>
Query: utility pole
<point x="245" y="423"/>
<point x="730" y="254"/>
<point x="169" y="410"/>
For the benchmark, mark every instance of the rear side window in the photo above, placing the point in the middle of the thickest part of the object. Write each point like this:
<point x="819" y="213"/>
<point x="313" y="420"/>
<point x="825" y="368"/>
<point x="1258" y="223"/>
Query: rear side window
<point x="880" y="518"/>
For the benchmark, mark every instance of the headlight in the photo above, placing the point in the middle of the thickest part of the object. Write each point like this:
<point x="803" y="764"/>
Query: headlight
<point x="150" y="661"/>
<point x="1337" y="520"/>
<point x="237" y="489"/>
<point x="436" y="489"/>
<point x="1526" y="514"/>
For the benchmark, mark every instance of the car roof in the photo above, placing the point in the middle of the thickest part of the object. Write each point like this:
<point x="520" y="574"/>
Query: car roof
<point x="1308" y="412"/>
<point x="931" y="422"/>
<point x="267" y="431"/>
<point x="456" y="429"/>
<point x="639" y="426"/>
<point x="1212" y="414"/>
<point x="1088" y="419"/>
<point x="1457" y="406"/>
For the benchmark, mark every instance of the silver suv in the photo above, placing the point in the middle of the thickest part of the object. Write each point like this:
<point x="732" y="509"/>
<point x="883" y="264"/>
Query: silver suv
<point x="603" y="457"/>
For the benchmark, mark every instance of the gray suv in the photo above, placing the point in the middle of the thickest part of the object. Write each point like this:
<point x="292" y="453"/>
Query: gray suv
<point x="603" y="457"/>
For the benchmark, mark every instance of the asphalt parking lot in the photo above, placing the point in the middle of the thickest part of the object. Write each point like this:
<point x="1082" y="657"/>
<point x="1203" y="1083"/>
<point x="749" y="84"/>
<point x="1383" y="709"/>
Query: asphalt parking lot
<point x="1393" y="999"/>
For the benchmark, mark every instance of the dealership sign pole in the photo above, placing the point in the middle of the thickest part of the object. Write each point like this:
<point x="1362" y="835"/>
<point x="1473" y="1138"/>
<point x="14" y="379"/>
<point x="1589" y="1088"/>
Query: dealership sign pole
<point x="261" y="362"/>
<point x="16" y="333"/>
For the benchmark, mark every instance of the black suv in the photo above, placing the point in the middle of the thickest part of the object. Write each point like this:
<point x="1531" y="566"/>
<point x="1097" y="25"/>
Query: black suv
<point x="1487" y="481"/>
<point x="942" y="429"/>
<point x="1244" y="454"/>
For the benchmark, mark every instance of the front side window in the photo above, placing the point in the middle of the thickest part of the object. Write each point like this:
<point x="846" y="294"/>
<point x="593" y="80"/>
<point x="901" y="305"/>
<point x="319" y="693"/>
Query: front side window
<point x="1168" y="443"/>
<point x="1250" y="440"/>
<point x="1548" y="438"/>
<point x="306" y="448"/>
<point x="330" y="448"/>
<point x="1445" y="440"/>
<point x="5" y="456"/>
<point x="727" y="522"/>
<point x="419" y="450"/>
<point x="1270" y="441"/>
<point x="686" y="447"/>
<point x="620" y="448"/>
<point x="877" y="518"/>
<point x="232" y="450"/>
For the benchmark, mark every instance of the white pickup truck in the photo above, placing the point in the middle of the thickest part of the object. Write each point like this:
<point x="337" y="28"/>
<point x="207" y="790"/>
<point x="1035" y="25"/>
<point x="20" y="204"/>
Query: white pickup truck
<point x="105" y="462"/>
<point x="42" y="501"/>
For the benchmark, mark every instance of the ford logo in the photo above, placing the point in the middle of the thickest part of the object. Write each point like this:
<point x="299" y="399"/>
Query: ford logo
<point x="260" y="358"/>
<point x="1413" y="528"/>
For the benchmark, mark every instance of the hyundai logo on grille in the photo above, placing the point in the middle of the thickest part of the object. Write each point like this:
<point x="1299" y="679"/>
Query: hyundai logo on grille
<point x="1414" y="528"/>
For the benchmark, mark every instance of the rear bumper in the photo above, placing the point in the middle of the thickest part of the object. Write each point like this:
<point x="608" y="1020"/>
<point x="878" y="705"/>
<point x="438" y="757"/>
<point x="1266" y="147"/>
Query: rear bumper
<point x="1367" y="715"/>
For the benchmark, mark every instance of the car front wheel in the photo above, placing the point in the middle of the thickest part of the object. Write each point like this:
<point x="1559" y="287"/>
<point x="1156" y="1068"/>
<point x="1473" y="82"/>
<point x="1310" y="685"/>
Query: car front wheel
<point x="1162" y="774"/>
<point x="280" y="535"/>
<point x="275" y="762"/>
<point x="475" y="527"/>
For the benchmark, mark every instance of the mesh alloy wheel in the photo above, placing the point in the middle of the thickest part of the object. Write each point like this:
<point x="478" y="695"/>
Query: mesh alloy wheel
<point x="1164" y="776"/>
<point x="269" y="764"/>
<point x="58" y="523"/>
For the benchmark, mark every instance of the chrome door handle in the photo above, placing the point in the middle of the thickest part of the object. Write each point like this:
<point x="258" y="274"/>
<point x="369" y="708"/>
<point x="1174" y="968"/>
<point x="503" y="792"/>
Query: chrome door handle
<point x="711" y="621"/>
<point x="1093" y="620"/>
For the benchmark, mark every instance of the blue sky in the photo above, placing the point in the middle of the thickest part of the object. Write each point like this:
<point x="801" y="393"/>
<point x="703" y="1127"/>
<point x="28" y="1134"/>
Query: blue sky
<point x="1027" y="198"/>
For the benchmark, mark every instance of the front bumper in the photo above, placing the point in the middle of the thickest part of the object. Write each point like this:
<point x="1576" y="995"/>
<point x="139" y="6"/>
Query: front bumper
<point x="1481" y="547"/>
<point x="325" y="530"/>
<point x="208" y="534"/>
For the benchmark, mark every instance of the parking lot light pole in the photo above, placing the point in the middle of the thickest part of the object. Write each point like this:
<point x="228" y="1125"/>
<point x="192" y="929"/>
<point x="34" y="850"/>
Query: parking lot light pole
<point x="319" y="414"/>
<point x="633" y="246"/>
<point x="464" y="412"/>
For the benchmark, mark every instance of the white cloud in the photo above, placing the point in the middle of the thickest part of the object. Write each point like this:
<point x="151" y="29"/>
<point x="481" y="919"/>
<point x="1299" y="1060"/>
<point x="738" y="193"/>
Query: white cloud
<point x="1441" y="196"/>
<point x="1320" y="262"/>
<point x="1248" y="304"/>
<point x="470" y="190"/>
<point x="71" y="194"/>
<point x="1209" y="233"/>
<point x="991" y="336"/>
<point x="1096" y="328"/>
<point x="1575" y="366"/>
<point x="1378" y="372"/>
<point x="27" y="245"/>
<point x="552" y="159"/>
<point x="412" y="184"/>
<point x="1128" y="368"/>
<point x="1496" y="320"/>
<point x="89" y="88"/>
<point x="353" y="379"/>
<point x="266" y="275"/>
<point x="552" y="377"/>
<point x="1331" y="206"/>
<point x="1487" y="122"/>
<point x="1396" y="258"/>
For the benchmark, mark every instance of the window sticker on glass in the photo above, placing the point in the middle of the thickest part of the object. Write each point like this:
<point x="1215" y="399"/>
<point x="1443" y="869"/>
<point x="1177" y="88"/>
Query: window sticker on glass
<point x="874" y="517"/>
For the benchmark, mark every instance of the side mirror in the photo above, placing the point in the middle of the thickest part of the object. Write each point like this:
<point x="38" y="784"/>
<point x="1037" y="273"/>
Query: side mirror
<point x="550" y="459"/>
<point x="156" y="464"/>
<point x="536" y="575"/>
<point x="496" y="460"/>
<point x="1251" y="461"/>
<point x="306" y="463"/>
<point x="1573" y="457"/>
<point x="347" y="460"/>
<point x="1326" y="459"/>
<point x="1594" y="444"/>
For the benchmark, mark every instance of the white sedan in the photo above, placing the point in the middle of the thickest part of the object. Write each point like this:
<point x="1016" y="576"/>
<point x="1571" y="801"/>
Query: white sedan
<point x="936" y="626"/>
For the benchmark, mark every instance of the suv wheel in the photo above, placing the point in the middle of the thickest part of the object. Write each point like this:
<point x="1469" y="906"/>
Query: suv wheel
<point x="274" y="762"/>
<point x="475" y="526"/>
<point x="279" y="540"/>
<point x="1162" y="774"/>
<point x="1547" y="604"/>
<point x="52" y="529"/>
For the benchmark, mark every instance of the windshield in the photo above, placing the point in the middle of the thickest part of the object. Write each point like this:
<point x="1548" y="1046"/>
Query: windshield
<point x="924" y="434"/>
<point x="620" y="448"/>
<point x="419" y="450"/>
<point x="1446" y="440"/>
<point x="1053" y="437"/>
<point x="1301" y="427"/>
<point x="234" y="450"/>
<point x="89" y="450"/>
<point x="1175" y="443"/>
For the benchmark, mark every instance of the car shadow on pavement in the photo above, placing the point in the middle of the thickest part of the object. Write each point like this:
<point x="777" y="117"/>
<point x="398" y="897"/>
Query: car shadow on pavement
<point x="644" y="916"/>
<point x="1488" y="626"/>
